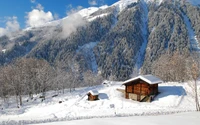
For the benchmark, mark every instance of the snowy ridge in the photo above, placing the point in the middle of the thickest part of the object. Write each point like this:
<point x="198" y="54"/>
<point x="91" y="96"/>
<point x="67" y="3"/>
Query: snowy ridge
<point x="120" y="5"/>
<point x="193" y="2"/>
<point x="85" y="13"/>
<point x="124" y="2"/>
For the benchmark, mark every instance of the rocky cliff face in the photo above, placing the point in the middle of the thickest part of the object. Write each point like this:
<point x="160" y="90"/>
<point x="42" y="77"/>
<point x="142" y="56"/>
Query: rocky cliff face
<point x="114" y="40"/>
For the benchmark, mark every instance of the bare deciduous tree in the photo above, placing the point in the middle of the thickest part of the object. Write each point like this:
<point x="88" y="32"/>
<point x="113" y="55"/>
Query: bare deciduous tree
<point x="171" y="67"/>
<point x="28" y="76"/>
<point x="44" y="76"/>
<point x="194" y="72"/>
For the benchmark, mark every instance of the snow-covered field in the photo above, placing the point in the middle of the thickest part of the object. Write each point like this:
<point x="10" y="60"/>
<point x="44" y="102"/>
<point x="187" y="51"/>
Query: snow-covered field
<point x="174" y="98"/>
<point x="175" y="119"/>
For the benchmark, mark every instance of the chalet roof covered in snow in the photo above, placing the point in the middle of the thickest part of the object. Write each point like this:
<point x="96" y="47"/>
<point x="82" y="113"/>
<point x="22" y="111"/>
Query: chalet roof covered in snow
<point x="147" y="78"/>
<point x="93" y="92"/>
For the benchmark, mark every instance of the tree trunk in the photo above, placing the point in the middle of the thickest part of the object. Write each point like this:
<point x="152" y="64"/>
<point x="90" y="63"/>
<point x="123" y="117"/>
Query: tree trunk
<point x="70" y="90"/>
<point x="63" y="88"/>
<point x="196" y="97"/>
<point x="20" y="100"/>
<point x="31" y="95"/>
<point x="17" y="100"/>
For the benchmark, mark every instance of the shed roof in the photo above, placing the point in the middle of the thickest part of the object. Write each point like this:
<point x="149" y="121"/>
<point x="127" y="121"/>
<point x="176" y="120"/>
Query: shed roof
<point x="93" y="92"/>
<point x="147" y="78"/>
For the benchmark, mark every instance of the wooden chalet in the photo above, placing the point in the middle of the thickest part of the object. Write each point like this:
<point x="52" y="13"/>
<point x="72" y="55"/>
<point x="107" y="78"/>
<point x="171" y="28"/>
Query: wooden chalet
<point x="142" y="88"/>
<point x="93" y="95"/>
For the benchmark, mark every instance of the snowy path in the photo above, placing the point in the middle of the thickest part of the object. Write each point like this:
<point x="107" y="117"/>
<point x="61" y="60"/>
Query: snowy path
<point x="194" y="43"/>
<point x="87" y="51"/>
<point x="141" y="52"/>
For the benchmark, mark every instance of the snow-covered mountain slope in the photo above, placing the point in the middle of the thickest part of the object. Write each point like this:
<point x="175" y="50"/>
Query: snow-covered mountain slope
<point x="85" y="13"/>
<point x="193" y="2"/>
<point x="123" y="3"/>
<point x="120" y="5"/>
<point x="173" y="98"/>
<point x="193" y="39"/>
<point x="129" y="34"/>
<point x="87" y="49"/>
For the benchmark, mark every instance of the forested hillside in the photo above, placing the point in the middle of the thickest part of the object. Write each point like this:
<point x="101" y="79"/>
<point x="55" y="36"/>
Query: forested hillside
<point x="115" y="42"/>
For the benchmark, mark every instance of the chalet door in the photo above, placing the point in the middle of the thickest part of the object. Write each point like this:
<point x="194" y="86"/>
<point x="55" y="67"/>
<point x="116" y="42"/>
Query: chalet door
<point x="127" y="95"/>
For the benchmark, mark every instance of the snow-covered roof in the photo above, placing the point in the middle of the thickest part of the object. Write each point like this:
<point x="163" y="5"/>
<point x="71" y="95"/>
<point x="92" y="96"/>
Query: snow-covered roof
<point x="94" y="92"/>
<point x="106" y="82"/>
<point x="147" y="78"/>
<point x="4" y="50"/>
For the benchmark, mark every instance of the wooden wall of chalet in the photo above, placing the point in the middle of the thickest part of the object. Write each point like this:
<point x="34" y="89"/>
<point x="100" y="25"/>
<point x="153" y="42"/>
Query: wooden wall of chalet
<point x="140" y="87"/>
<point x="92" y="97"/>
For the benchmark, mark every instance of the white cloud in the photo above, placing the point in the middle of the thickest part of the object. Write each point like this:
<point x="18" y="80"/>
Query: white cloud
<point x="96" y="2"/>
<point x="40" y="7"/>
<point x="92" y="2"/>
<point x="2" y="31"/>
<point x="12" y="25"/>
<point x="101" y="2"/>
<point x="71" y="23"/>
<point x="33" y="1"/>
<point x="73" y="10"/>
<point x="56" y="16"/>
<point x="38" y="17"/>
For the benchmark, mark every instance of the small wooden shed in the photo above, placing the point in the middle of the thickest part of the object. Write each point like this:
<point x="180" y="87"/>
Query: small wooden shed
<point x="93" y="95"/>
<point x="142" y="88"/>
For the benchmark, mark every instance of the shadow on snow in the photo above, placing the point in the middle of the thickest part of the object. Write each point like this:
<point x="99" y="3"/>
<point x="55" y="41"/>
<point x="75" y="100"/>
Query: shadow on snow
<point x="165" y="91"/>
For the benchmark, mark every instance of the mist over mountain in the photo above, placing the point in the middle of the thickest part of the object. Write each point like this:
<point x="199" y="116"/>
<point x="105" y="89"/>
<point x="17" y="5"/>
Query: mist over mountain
<point x="114" y="40"/>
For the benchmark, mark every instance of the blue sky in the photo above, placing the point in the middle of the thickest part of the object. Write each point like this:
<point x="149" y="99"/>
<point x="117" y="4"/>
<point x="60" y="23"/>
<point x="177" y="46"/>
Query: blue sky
<point x="16" y="14"/>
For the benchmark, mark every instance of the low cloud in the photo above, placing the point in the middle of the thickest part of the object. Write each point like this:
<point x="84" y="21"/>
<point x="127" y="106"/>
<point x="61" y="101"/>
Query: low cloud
<point x="96" y="2"/>
<point x="56" y="16"/>
<point x="1" y="48"/>
<point x="33" y="1"/>
<point x="12" y="25"/>
<point x="92" y="2"/>
<point x="71" y="23"/>
<point x="2" y="31"/>
<point x="39" y="7"/>
<point x="38" y="17"/>
<point x="73" y="10"/>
